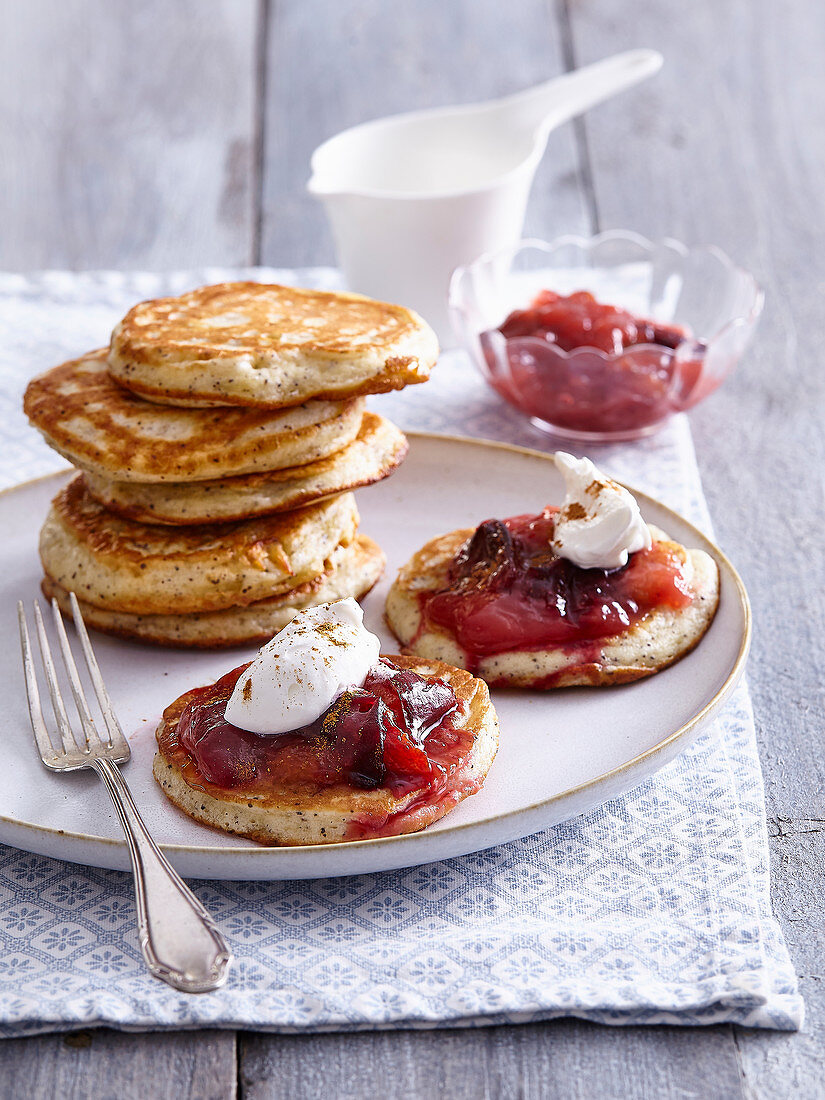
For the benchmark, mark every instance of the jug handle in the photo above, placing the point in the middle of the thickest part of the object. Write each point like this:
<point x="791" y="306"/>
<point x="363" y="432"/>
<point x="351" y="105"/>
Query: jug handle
<point x="547" y="105"/>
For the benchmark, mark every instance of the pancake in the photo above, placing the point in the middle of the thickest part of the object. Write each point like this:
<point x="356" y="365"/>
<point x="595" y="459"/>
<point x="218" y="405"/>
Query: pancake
<point x="103" y="428"/>
<point x="119" y="565"/>
<point x="374" y="454"/>
<point x="657" y="640"/>
<point x="288" y="814"/>
<point x="268" y="346"/>
<point x="353" y="570"/>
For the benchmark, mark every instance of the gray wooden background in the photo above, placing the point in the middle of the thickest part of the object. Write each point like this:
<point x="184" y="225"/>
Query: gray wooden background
<point x="159" y="135"/>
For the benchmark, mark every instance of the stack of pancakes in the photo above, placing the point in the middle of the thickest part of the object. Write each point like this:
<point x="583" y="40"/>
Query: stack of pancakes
<point x="219" y="438"/>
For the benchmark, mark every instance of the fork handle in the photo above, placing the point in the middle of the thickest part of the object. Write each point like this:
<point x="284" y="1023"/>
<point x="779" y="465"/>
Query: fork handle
<point x="178" y="938"/>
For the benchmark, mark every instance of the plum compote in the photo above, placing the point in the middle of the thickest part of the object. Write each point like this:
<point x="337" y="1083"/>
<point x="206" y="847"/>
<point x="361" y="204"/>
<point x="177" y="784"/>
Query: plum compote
<point x="394" y="731"/>
<point x="580" y="321"/>
<point x="508" y="590"/>
<point x="588" y="367"/>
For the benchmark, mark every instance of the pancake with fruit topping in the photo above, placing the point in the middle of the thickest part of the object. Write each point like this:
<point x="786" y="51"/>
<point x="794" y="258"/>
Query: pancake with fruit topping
<point x="585" y="594"/>
<point x="375" y="453"/>
<point x="103" y="428"/>
<point x="119" y="565"/>
<point x="352" y="571"/>
<point x="268" y="346"/>
<point x="370" y="747"/>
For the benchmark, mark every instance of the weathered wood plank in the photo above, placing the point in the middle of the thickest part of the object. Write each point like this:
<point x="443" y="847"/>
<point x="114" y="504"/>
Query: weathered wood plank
<point x="566" y="1060"/>
<point x="787" y="1067"/>
<point x="798" y="886"/>
<point x="727" y="146"/>
<point x="129" y="133"/>
<point x="330" y="66"/>
<point x="111" y="1065"/>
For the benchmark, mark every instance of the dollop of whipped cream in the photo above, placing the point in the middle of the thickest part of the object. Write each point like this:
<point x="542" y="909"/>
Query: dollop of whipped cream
<point x="599" y="525"/>
<point x="320" y="654"/>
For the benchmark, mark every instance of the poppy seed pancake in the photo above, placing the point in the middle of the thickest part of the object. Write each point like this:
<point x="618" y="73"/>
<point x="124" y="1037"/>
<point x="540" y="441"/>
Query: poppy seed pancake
<point x="268" y="346"/>
<point x="119" y="565"/>
<point x="658" y="639"/>
<point x="374" y="454"/>
<point x="352" y="571"/>
<point x="101" y="427"/>
<point x="293" y="814"/>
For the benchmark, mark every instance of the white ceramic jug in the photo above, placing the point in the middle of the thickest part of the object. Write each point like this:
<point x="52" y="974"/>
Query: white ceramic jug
<point x="412" y="197"/>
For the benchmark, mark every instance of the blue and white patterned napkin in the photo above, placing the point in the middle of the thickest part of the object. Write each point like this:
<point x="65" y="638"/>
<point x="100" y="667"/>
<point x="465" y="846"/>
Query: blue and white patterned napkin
<point x="651" y="909"/>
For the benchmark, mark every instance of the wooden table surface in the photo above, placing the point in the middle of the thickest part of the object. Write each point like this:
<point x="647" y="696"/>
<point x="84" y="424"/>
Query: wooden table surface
<point x="160" y="135"/>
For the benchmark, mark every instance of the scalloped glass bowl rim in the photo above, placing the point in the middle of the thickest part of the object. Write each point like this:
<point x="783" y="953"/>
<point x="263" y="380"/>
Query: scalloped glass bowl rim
<point x="587" y="246"/>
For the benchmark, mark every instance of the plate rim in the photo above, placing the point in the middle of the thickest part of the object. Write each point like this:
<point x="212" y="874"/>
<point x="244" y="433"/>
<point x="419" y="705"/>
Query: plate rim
<point x="260" y="850"/>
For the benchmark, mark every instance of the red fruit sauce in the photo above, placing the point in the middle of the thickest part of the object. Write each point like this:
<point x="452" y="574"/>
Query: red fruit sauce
<point x="394" y="732"/>
<point x="509" y="591"/>
<point x="622" y="377"/>
<point x="580" y="321"/>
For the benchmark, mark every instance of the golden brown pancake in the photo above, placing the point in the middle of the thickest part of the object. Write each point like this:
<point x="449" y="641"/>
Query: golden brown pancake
<point x="285" y="814"/>
<point x="654" y="642"/>
<point x="119" y="565"/>
<point x="268" y="346"/>
<point x="102" y="427"/>
<point x="353" y="570"/>
<point x="374" y="454"/>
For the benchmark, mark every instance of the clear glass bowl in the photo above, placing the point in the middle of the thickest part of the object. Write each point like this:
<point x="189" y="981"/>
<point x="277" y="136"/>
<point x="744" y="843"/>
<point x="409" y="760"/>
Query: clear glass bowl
<point x="597" y="396"/>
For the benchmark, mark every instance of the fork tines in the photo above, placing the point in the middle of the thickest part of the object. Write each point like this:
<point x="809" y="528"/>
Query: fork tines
<point x="77" y="751"/>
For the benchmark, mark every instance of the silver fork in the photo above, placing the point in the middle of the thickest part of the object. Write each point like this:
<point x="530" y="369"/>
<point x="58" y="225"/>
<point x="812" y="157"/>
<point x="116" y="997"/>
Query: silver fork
<point x="178" y="938"/>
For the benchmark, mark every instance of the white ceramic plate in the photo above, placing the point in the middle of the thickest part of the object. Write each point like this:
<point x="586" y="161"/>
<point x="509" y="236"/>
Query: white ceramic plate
<point x="561" y="753"/>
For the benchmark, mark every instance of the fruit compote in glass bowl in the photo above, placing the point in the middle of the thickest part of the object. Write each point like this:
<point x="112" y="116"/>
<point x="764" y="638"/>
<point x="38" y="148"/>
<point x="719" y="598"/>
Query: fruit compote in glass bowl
<point x="603" y="339"/>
